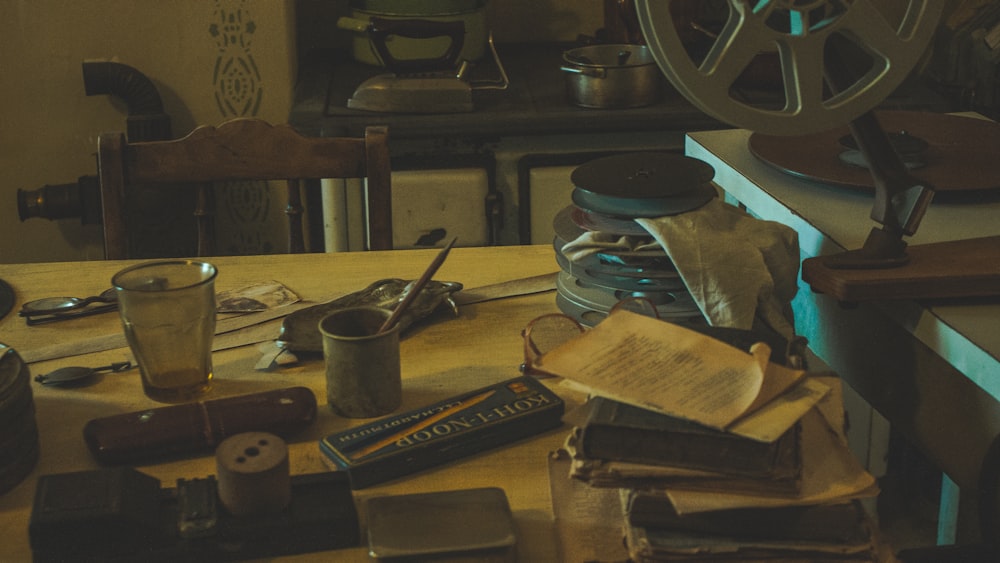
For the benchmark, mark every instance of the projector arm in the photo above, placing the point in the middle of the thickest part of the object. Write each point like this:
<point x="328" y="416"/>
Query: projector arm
<point x="900" y="198"/>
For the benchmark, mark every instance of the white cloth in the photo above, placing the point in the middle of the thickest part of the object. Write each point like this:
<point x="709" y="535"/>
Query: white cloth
<point x="592" y="242"/>
<point x="736" y="267"/>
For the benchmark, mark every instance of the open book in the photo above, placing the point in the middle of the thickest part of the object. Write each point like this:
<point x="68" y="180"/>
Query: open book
<point x="666" y="368"/>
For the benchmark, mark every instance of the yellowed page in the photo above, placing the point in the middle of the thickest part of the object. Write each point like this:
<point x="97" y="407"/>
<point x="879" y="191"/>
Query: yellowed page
<point x="589" y="521"/>
<point x="770" y="421"/>
<point x="664" y="367"/>
<point x="830" y="473"/>
<point x="777" y="378"/>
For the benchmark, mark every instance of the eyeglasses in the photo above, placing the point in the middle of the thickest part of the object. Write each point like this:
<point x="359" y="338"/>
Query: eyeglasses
<point x="547" y="332"/>
<point x="52" y="309"/>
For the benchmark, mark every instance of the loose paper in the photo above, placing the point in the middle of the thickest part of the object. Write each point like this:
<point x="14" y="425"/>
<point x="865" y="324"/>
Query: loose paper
<point x="664" y="367"/>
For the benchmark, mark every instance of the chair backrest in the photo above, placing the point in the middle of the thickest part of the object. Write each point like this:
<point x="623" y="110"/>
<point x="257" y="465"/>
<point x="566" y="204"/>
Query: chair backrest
<point x="243" y="149"/>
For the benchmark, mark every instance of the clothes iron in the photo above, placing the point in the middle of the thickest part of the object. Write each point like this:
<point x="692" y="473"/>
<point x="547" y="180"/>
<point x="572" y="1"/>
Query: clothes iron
<point x="447" y="91"/>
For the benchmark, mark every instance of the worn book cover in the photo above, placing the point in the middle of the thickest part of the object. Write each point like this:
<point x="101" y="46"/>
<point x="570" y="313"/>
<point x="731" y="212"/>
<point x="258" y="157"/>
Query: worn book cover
<point x="469" y="423"/>
<point x="620" y="432"/>
<point x="660" y="544"/>
<point x="628" y="474"/>
<point x="842" y="522"/>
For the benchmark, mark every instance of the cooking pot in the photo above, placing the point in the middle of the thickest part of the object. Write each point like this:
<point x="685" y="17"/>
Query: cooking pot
<point x="405" y="31"/>
<point x="612" y="76"/>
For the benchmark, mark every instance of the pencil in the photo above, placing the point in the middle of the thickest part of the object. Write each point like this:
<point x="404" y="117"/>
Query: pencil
<point x="423" y="424"/>
<point x="417" y="287"/>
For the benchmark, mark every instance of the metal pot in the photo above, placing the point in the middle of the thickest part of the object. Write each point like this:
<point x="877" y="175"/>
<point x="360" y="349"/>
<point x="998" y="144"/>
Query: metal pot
<point x="405" y="33"/>
<point x="612" y="76"/>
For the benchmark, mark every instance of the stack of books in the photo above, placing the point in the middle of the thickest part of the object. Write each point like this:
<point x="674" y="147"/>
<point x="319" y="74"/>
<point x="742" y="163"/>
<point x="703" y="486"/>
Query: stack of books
<point x="692" y="493"/>
<point x="752" y="485"/>
<point x="620" y="443"/>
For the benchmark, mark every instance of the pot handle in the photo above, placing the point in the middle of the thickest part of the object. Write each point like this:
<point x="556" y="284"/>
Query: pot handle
<point x="586" y="71"/>
<point x="353" y="24"/>
<point x="380" y="29"/>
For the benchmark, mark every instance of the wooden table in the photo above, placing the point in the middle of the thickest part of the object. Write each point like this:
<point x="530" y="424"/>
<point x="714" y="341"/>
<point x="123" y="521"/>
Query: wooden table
<point x="442" y="357"/>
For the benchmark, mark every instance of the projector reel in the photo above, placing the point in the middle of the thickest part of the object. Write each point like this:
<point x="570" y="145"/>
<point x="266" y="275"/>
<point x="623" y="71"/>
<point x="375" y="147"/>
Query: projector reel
<point x="884" y="47"/>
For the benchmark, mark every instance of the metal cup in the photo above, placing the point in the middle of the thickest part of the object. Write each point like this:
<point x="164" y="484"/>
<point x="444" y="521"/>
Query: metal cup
<point x="362" y="365"/>
<point x="168" y="313"/>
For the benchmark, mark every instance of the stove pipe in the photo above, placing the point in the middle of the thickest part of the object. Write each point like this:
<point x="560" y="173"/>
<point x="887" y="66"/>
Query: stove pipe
<point x="146" y="119"/>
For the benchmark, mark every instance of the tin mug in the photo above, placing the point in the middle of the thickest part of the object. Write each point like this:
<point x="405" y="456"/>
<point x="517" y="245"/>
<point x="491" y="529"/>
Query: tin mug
<point x="362" y="364"/>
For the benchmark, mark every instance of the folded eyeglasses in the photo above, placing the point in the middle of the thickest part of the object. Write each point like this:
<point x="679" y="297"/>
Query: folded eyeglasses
<point x="550" y="331"/>
<point x="52" y="309"/>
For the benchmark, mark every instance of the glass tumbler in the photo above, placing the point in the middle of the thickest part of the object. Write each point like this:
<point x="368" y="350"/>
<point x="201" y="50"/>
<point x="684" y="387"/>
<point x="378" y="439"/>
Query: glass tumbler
<point x="167" y="310"/>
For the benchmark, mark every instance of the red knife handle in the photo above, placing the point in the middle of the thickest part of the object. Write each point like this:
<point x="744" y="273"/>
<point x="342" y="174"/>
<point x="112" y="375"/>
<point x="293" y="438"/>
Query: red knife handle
<point x="190" y="428"/>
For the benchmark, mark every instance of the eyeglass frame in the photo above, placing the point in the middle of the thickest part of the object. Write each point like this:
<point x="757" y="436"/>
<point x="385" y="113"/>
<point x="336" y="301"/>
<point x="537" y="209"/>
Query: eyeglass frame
<point x="106" y="301"/>
<point x="527" y="366"/>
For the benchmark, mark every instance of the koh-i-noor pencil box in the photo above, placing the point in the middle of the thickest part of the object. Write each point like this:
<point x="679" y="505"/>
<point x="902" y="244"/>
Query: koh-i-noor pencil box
<point x="457" y="427"/>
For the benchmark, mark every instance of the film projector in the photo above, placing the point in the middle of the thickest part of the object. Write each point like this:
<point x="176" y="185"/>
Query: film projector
<point x="838" y="60"/>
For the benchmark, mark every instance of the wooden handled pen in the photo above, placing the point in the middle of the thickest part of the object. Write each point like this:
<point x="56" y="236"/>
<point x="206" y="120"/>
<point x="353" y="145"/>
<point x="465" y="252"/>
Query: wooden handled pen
<point x="419" y="285"/>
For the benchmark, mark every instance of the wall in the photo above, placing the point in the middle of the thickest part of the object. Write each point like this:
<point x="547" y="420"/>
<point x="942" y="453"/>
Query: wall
<point x="49" y="127"/>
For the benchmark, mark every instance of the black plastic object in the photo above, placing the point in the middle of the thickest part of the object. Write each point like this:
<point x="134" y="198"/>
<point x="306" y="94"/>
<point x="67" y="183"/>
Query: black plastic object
<point x="121" y="514"/>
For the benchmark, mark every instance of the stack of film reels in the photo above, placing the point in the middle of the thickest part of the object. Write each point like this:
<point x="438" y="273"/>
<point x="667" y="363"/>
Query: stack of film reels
<point x="609" y="194"/>
<point x="19" y="448"/>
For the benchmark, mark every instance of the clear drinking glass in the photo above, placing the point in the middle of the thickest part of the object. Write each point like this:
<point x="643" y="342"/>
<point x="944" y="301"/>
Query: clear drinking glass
<point x="168" y="314"/>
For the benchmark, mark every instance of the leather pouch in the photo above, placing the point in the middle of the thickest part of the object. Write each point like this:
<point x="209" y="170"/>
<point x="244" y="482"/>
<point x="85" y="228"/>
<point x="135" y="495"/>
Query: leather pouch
<point x="191" y="428"/>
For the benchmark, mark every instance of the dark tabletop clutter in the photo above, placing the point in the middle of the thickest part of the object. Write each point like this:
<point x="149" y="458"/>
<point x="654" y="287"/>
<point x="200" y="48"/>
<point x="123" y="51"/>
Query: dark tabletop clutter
<point x="256" y="505"/>
<point x="145" y="473"/>
<point x="258" y="502"/>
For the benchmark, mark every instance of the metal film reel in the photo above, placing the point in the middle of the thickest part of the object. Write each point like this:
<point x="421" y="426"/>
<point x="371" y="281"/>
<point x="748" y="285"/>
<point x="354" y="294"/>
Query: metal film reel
<point x="889" y="44"/>
<point x="589" y="303"/>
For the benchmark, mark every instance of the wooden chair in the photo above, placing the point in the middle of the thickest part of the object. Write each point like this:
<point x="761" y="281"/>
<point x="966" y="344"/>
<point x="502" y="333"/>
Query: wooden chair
<point x="243" y="149"/>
